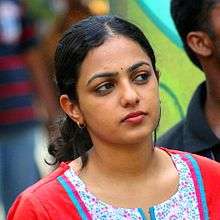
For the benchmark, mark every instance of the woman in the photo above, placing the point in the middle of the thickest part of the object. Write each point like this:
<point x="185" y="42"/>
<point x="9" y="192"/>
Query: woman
<point x="108" y="83"/>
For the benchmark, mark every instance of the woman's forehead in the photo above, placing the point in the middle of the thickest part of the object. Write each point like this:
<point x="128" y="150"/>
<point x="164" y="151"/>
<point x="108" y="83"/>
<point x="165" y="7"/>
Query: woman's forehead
<point x="115" y="52"/>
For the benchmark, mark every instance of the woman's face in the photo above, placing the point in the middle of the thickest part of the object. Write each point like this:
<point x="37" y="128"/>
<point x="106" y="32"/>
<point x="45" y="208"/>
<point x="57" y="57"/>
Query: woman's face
<point x="118" y="92"/>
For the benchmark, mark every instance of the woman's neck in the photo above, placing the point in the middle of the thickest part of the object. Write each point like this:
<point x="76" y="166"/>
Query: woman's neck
<point x="130" y="177"/>
<point x="118" y="161"/>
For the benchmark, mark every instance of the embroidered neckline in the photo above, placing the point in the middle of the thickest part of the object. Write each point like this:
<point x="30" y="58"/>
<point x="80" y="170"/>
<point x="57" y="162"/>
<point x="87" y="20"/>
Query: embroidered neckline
<point x="73" y="175"/>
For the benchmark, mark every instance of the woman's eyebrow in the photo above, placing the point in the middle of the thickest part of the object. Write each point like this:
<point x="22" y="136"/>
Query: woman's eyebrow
<point x="100" y="75"/>
<point x="136" y="65"/>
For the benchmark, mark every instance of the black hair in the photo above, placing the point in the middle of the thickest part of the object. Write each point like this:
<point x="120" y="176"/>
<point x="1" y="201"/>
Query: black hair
<point x="72" y="141"/>
<point x="192" y="15"/>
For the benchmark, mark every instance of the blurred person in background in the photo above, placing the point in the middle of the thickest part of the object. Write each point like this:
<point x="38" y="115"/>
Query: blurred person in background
<point x="198" y="25"/>
<point x="26" y="100"/>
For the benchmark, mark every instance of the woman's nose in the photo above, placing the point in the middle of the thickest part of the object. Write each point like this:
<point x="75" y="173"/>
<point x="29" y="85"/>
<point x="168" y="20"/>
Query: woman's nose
<point x="129" y="96"/>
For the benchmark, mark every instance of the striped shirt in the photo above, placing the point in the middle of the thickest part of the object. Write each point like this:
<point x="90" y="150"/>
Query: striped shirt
<point x="16" y="89"/>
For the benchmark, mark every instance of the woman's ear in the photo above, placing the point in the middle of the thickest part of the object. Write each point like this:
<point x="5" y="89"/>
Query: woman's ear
<point x="71" y="109"/>
<point x="200" y="43"/>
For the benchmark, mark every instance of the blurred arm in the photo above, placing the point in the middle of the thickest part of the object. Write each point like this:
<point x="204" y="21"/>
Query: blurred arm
<point x="42" y="82"/>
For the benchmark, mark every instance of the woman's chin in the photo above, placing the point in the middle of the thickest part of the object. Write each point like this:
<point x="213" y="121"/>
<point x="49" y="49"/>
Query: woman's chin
<point x="138" y="138"/>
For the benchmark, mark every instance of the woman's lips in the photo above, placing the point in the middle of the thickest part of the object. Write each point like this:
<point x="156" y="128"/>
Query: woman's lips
<point x="134" y="117"/>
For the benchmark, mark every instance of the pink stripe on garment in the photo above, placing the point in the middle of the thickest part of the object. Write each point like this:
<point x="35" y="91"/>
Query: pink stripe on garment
<point x="197" y="188"/>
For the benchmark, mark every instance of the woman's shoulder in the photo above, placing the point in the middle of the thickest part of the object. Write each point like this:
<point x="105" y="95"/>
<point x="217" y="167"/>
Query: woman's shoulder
<point x="203" y="162"/>
<point x="209" y="169"/>
<point x="206" y="173"/>
<point x="48" y="182"/>
<point x="39" y="198"/>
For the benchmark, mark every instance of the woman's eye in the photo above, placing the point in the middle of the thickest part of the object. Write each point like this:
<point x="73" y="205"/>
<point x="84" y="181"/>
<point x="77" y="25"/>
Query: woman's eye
<point x="104" y="88"/>
<point x="141" y="78"/>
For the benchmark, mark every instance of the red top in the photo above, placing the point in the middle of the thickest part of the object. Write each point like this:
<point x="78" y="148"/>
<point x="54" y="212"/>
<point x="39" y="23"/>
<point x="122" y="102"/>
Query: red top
<point x="47" y="199"/>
